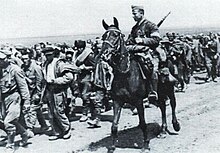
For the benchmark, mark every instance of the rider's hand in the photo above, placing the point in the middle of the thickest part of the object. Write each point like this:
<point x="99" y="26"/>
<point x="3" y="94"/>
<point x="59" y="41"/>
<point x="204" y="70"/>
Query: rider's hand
<point x="50" y="81"/>
<point x="138" y="40"/>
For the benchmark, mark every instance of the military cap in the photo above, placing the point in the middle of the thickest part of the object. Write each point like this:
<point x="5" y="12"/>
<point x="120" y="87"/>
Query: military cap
<point x="2" y="55"/>
<point x="201" y="34"/>
<point x="189" y="37"/>
<point x="48" y="50"/>
<point x="20" y="47"/>
<point x="165" y="40"/>
<point x="42" y="43"/>
<point x="80" y="44"/>
<point x="206" y="37"/>
<point x="133" y="7"/>
<point x="171" y="34"/>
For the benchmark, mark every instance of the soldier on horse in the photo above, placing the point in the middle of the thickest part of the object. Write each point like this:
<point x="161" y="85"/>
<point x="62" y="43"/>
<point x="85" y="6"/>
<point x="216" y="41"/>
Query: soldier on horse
<point x="142" y="42"/>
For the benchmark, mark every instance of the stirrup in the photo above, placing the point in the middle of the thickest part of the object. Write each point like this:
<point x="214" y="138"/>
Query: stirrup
<point x="153" y="98"/>
<point x="153" y="94"/>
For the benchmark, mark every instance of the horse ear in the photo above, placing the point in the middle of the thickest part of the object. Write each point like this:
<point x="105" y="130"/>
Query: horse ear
<point x="116" y="22"/>
<point x="105" y="25"/>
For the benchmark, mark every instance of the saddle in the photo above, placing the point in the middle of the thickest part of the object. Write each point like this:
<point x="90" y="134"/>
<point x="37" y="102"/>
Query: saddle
<point x="145" y="63"/>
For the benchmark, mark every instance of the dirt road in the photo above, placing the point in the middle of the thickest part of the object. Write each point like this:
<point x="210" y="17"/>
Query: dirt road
<point x="198" y="110"/>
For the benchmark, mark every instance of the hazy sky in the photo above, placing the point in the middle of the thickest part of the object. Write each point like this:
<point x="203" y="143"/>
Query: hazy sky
<point x="26" y="18"/>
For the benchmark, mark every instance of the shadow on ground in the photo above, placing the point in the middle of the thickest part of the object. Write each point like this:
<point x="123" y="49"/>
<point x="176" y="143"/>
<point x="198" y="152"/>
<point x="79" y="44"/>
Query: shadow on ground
<point x="129" y="138"/>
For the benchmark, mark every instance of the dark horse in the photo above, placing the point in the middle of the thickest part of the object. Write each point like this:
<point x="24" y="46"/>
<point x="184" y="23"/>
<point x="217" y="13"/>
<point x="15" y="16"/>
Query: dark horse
<point x="128" y="86"/>
<point x="166" y="82"/>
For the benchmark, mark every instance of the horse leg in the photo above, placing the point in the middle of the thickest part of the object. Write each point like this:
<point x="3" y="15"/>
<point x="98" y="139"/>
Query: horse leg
<point x="162" y="102"/>
<point x="114" y="129"/>
<point x="176" y="125"/>
<point x="142" y="124"/>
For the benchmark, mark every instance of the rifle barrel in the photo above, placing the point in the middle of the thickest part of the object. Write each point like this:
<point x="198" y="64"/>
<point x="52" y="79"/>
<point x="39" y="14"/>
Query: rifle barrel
<point x="164" y="18"/>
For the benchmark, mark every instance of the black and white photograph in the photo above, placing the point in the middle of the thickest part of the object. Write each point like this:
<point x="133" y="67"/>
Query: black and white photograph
<point x="109" y="76"/>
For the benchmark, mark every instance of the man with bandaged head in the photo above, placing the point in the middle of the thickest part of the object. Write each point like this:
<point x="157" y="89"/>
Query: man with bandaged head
<point x="55" y="84"/>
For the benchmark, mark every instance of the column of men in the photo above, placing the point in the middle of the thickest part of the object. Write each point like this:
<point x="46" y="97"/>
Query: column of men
<point x="46" y="75"/>
<point x="56" y="74"/>
<point x="192" y="53"/>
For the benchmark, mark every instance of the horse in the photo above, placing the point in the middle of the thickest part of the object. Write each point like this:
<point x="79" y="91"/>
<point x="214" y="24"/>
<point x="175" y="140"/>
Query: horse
<point x="128" y="85"/>
<point x="166" y="83"/>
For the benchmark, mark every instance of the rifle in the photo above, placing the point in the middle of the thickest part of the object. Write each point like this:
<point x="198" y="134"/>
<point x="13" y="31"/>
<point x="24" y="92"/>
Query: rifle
<point x="161" y="21"/>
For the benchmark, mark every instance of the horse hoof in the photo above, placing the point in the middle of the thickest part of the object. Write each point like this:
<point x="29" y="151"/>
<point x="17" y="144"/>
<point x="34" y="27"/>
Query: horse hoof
<point x="111" y="149"/>
<point x="162" y="135"/>
<point x="176" y="126"/>
<point x="145" y="150"/>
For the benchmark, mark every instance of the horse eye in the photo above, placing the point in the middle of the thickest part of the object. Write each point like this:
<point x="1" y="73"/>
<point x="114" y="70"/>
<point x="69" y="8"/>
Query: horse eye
<point x="103" y="37"/>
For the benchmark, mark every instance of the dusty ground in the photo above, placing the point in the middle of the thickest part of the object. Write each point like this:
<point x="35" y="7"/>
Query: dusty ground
<point x="197" y="111"/>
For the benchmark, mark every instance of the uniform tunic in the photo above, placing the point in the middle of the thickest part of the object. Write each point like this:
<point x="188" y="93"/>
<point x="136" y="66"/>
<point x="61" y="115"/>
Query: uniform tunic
<point x="146" y="30"/>
<point x="149" y="33"/>
<point x="34" y="77"/>
<point x="14" y="89"/>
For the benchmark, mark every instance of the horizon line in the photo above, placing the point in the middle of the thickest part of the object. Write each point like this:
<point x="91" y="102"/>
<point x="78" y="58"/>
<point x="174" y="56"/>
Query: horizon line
<point x="96" y="33"/>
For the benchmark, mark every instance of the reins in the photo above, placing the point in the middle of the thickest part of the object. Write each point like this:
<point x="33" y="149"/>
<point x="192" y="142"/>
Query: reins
<point x="116" y="45"/>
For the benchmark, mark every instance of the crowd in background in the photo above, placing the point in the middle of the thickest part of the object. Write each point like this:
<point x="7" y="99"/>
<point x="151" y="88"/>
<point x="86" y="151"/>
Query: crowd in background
<point x="69" y="71"/>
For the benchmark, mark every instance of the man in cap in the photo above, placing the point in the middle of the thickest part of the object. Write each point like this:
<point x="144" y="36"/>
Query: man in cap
<point x="143" y="41"/>
<point x="15" y="94"/>
<point x="17" y="56"/>
<point x="210" y="52"/>
<point x="187" y="48"/>
<point x="25" y="114"/>
<point x="12" y="59"/>
<point x="34" y="77"/>
<point x="57" y="80"/>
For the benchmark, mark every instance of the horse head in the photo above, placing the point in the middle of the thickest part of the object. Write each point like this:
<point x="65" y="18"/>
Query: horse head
<point x="113" y="47"/>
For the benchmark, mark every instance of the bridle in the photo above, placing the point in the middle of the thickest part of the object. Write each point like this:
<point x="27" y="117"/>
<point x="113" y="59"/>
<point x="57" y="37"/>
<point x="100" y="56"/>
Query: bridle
<point x="115" y="44"/>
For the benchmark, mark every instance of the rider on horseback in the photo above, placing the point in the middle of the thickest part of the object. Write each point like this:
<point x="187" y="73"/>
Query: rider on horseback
<point x="143" y="41"/>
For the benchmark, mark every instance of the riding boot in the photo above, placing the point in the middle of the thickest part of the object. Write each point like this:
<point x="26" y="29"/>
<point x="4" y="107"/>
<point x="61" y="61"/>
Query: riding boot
<point x="154" y="81"/>
<point x="152" y="96"/>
